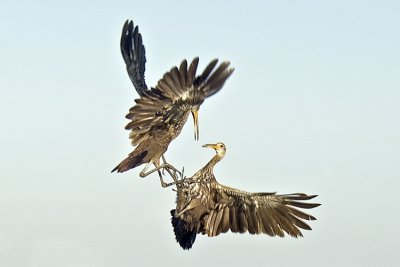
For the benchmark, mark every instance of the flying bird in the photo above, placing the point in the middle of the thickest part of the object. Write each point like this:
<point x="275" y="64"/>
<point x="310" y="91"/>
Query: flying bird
<point x="205" y="206"/>
<point x="160" y="113"/>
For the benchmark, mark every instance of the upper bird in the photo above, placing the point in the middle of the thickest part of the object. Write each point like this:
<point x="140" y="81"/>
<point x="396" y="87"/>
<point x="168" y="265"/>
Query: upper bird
<point x="205" y="206"/>
<point x="160" y="112"/>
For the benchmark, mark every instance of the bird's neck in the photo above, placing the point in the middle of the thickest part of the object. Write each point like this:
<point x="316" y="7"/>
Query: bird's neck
<point x="213" y="161"/>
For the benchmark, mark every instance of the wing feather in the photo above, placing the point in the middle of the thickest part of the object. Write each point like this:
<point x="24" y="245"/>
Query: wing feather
<point x="218" y="78"/>
<point x="287" y="222"/>
<point x="183" y="73"/>
<point x="224" y="225"/>
<point x="271" y="218"/>
<point x="167" y="86"/>
<point x="232" y="223"/>
<point x="242" y="225"/>
<point x="302" y="215"/>
<point x="265" y="222"/>
<point x="218" y="219"/>
<point x="175" y="78"/>
<point x="204" y="76"/>
<point x="257" y="213"/>
<point x="168" y="104"/>
<point x="192" y="72"/>
<point x="134" y="55"/>
<point x="249" y="219"/>
<point x="211" y="221"/>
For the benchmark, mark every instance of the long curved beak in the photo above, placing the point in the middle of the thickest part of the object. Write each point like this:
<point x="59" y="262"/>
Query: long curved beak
<point x="210" y="145"/>
<point x="195" y="115"/>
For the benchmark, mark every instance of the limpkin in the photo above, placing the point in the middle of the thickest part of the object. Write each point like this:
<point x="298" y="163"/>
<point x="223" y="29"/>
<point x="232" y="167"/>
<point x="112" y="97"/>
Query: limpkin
<point x="161" y="112"/>
<point x="208" y="207"/>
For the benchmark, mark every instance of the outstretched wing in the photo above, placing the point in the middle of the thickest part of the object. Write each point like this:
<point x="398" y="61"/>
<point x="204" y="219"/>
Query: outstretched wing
<point x="166" y="107"/>
<point x="257" y="213"/>
<point x="134" y="55"/>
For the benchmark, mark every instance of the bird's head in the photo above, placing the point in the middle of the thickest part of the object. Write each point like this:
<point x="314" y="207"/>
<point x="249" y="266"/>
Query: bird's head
<point x="195" y="114"/>
<point x="219" y="148"/>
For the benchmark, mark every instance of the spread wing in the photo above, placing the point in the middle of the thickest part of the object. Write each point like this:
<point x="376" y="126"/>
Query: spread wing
<point x="165" y="108"/>
<point x="134" y="55"/>
<point x="257" y="213"/>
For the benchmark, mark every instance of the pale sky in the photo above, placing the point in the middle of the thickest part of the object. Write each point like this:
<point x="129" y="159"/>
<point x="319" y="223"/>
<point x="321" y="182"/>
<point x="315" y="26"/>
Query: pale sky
<point x="313" y="107"/>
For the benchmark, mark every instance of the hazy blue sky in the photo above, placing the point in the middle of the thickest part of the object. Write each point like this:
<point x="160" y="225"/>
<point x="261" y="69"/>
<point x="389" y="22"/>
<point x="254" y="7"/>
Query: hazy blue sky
<point x="313" y="106"/>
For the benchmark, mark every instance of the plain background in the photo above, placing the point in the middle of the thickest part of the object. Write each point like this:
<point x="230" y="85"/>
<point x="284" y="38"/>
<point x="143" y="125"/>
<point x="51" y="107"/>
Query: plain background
<point x="313" y="106"/>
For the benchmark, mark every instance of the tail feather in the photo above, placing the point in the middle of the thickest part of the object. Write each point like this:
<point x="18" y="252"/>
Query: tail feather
<point x="130" y="162"/>
<point x="183" y="236"/>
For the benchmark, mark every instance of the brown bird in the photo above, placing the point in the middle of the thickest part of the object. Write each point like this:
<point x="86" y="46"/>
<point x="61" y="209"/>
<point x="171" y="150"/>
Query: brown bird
<point x="208" y="207"/>
<point x="160" y="114"/>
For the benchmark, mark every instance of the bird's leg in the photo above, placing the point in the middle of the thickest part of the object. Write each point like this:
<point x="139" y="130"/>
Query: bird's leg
<point x="143" y="173"/>
<point x="172" y="172"/>
<point x="164" y="161"/>
<point x="169" y="168"/>
<point x="176" y="180"/>
<point x="166" y="166"/>
<point x="160" y="174"/>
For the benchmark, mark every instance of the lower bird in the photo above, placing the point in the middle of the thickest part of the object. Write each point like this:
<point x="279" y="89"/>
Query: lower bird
<point x="208" y="207"/>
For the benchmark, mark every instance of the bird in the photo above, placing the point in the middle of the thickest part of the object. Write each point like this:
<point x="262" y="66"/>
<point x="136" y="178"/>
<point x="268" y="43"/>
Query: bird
<point x="160" y="113"/>
<point x="205" y="206"/>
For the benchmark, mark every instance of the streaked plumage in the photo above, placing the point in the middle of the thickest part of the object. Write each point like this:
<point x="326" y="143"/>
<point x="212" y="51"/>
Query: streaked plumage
<point x="160" y="114"/>
<point x="208" y="207"/>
